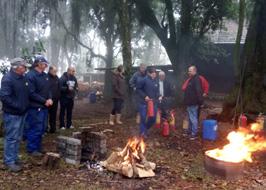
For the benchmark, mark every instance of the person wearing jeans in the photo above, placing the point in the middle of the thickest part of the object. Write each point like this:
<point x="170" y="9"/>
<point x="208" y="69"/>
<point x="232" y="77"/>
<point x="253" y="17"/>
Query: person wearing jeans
<point x="193" y="97"/>
<point x="148" y="90"/>
<point x="14" y="95"/>
<point x="119" y="91"/>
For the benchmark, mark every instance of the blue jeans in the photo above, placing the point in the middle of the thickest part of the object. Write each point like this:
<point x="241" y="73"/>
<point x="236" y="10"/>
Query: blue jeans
<point x="13" y="126"/>
<point x="193" y="119"/>
<point x="36" y="119"/>
<point x="146" y="123"/>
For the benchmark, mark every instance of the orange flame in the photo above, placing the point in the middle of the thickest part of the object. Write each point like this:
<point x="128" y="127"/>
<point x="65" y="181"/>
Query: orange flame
<point x="134" y="148"/>
<point x="242" y="144"/>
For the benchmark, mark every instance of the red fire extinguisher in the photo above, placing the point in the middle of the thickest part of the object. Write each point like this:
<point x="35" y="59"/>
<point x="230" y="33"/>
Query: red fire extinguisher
<point x="150" y="109"/>
<point x="242" y="120"/>
<point x="165" y="131"/>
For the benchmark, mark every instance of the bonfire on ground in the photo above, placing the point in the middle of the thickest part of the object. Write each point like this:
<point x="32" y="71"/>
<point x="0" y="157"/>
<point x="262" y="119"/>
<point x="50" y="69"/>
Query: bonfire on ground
<point x="131" y="161"/>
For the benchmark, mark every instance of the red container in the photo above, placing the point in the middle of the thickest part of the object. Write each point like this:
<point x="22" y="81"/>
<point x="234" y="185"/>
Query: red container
<point x="165" y="131"/>
<point x="242" y="120"/>
<point x="150" y="109"/>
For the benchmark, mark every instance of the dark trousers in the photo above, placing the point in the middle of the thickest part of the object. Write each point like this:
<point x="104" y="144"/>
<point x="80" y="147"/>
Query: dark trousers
<point x="52" y="116"/>
<point x="117" y="106"/>
<point x="66" y="105"/>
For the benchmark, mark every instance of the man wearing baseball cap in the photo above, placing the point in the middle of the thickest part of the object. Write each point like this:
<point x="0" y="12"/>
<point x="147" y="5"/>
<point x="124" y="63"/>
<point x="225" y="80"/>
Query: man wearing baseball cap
<point x="14" y="95"/>
<point x="40" y="100"/>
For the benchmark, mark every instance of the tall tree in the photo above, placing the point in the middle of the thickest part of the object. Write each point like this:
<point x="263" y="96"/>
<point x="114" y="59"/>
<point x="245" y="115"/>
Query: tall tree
<point x="178" y="35"/>
<point x="254" y="62"/>
<point x="241" y="19"/>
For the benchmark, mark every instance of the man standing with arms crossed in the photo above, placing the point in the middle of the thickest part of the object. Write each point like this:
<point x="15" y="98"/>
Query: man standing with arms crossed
<point x="14" y="95"/>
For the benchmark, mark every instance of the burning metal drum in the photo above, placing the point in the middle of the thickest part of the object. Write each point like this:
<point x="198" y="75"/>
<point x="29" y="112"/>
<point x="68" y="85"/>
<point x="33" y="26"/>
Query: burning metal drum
<point x="226" y="170"/>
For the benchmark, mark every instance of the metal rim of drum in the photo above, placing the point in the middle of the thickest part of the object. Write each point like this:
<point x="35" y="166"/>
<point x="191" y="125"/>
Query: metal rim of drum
<point x="226" y="170"/>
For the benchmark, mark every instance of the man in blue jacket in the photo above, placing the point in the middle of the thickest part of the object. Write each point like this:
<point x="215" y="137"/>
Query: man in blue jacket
<point x="134" y="80"/>
<point x="148" y="89"/>
<point x="40" y="100"/>
<point x="14" y="95"/>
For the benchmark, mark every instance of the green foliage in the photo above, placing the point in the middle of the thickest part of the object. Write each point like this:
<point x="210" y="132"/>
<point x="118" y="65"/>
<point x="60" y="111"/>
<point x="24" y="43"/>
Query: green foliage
<point x="38" y="48"/>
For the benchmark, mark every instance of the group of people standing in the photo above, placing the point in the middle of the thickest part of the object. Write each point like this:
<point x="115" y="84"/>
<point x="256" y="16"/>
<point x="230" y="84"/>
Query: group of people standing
<point x="147" y="89"/>
<point x="28" y="100"/>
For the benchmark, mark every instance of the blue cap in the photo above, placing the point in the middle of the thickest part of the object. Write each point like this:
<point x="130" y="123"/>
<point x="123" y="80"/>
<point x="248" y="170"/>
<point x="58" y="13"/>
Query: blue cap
<point x="40" y="59"/>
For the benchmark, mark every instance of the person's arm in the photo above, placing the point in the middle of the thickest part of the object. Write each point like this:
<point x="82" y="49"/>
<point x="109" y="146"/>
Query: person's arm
<point x="32" y="89"/>
<point x="199" y="90"/>
<point x="6" y="93"/>
<point x="140" y="88"/>
<point x="133" y="81"/>
<point x="63" y="85"/>
<point x="115" y="84"/>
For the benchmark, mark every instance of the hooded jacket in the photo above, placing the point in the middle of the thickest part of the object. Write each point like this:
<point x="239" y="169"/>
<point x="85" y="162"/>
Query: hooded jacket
<point x="65" y="82"/>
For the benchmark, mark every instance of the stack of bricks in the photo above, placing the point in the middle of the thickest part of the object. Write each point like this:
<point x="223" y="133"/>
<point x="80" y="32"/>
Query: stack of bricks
<point x="69" y="149"/>
<point x="93" y="146"/>
<point x="84" y="145"/>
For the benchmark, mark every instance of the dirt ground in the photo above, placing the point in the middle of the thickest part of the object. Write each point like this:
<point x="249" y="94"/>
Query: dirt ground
<point x="179" y="160"/>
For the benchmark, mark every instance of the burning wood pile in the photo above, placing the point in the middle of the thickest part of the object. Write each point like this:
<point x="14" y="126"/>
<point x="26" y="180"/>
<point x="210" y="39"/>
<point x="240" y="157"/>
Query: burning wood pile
<point x="131" y="161"/>
<point x="229" y="160"/>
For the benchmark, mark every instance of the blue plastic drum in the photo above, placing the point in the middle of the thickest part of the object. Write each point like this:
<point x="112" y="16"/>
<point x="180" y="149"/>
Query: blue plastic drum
<point x="210" y="129"/>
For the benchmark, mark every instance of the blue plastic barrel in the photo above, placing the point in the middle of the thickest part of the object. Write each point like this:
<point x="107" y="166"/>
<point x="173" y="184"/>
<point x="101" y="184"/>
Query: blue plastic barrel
<point x="210" y="129"/>
<point x="93" y="97"/>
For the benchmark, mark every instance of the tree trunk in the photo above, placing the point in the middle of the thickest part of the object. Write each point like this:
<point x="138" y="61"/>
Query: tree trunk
<point x="126" y="50"/>
<point x="107" y="93"/>
<point x="252" y="87"/>
<point x="236" y="56"/>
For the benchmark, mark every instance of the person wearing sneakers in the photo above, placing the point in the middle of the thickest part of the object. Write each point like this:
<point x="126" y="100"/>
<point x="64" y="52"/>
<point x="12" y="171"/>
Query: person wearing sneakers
<point x="69" y="88"/>
<point x="40" y="101"/>
<point x="119" y="90"/>
<point x="193" y="97"/>
<point x="14" y="95"/>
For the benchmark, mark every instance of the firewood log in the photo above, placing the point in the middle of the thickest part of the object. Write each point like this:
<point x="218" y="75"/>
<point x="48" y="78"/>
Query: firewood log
<point x="51" y="160"/>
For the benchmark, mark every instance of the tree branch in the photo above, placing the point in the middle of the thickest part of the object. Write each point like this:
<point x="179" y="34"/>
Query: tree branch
<point x="148" y="17"/>
<point x="171" y="20"/>
<point x="93" y="54"/>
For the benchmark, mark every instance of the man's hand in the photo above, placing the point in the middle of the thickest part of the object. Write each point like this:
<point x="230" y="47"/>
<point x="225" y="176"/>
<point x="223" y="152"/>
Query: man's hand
<point x="49" y="102"/>
<point x="205" y="95"/>
<point x="160" y="98"/>
<point x="147" y="98"/>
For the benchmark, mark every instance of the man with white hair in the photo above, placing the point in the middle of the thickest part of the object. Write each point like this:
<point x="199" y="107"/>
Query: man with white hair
<point x="14" y="95"/>
<point x="166" y="93"/>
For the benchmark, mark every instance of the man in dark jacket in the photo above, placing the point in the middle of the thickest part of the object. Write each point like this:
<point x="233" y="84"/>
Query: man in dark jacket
<point x="193" y="97"/>
<point x="55" y="90"/>
<point x="14" y="95"/>
<point x="69" y="88"/>
<point x="40" y="101"/>
<point x="148" y="90"/>
<point x="134" y="80"/>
